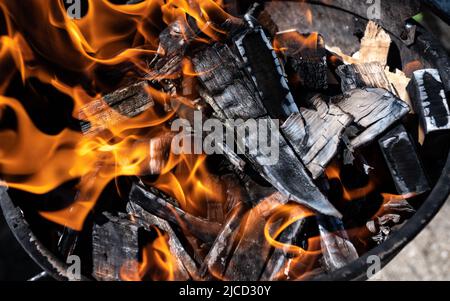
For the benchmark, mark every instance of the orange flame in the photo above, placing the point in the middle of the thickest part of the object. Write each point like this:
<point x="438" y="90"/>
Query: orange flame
<point x="157" y="262"/>
<point x="36" y="162"/>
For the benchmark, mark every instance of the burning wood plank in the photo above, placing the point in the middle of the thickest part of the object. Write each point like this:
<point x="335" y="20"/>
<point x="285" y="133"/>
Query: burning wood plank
<point x="307" y="56"/>
<point x="253" y="249"/>
<point x="115" y="248"/>
<point x="277" y="262"/>
<point x="149" y="201"/>
<point x="111" y="109"/>
<point x="429" y="100"/>
<point x="185" y="266"/>
<point x="374" y="109"/>
<point x="216" y="261"/>
<point x="287" y="171"/>
<point x="316" y="133"/>
<point x="233" y="96"/>
<point x="369" y="75"/>
<point x="337" y="249"/>
<point x="403" y="162"/>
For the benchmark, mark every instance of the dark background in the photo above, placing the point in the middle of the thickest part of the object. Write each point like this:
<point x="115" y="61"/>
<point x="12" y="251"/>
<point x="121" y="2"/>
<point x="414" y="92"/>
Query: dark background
<point x="15" y="264"/>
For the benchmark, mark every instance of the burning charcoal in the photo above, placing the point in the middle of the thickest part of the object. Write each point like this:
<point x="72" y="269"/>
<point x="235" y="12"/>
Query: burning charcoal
<point x="279" y="258"/>
<point x="185" y="266"/>
<point x="253" y="249"/>
<point x="429" y="101"/>
<point x="150" y="202"/>
<point x="403" y="162"/>
<point x="226" y="84"/>
<point x="316" y="133"/>
<point x="337" y="249"/>
<point x="233" y="96"/>
<point x="374" y="45"/>
<point x="286" y="172"/>
<point x="375" y="110"/>
<point x="369" y="75"/>
<point x="115" y="108"/>
<point x="216" y="261"/>
<point x="307" y="56"/>
<point x="115" y="248"/>
<point x="159" y="153"/>
<point x="265" y="69"/>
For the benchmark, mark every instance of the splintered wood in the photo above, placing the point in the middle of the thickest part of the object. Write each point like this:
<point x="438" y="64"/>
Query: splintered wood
<point x="305" y="131"/>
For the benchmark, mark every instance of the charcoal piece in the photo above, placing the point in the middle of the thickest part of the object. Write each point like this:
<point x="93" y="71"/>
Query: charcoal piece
<point x="266" y="21"/>
<point x="115" y="108"/>
<point x="115" y="248"/>
<point x="284" y="171"/>
<point x="159" y="148"/>
<point x="403" y="162"/>
<point x="253" y="249"/>
<point x="280" y="257"/>
<point x="217" y="259"/>
<point x="368" y="75"/>
<point x="185" y="267"/>
<point x="173" y="42"/>
<point x="228" y="90"/>
<point x="149" y="201"/>
<point x="264" y="68"/>
<point x="428" y="97"/>
<point x="307" y="56"/>
<point x="337" y="249"/>
<point x="316" y="133"/>
<point x="374" y="109"/>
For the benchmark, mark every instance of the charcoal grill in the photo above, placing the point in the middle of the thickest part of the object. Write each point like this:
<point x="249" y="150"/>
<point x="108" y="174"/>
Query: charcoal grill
<point x="413" y="43"/>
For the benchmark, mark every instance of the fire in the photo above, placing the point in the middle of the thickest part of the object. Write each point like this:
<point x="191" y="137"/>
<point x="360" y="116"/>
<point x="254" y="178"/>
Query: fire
<point x="333" y="172"/>
<point x="62" y="49"/>
<point x="157" y="262"/>
<point x="302" y="260"/>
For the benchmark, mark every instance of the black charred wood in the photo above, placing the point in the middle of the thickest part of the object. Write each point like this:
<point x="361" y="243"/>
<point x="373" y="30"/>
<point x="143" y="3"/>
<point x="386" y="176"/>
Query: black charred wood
<point x="430" y="103"/>
<point x="368" y="75"/>
<point x="404" y="164"/>
<point x="185" y="268"/>
<point x="374" y="109"/>
<point x="200" y="228"/>
<point x="115" y="248"/>
<point x="114" y="108"/>
<point x="316" y="133"/>
<point x="306" y="56"/>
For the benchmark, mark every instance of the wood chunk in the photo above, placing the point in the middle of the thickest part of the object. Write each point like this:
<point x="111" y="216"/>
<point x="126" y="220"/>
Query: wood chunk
<point x="316" y="133"/>
<point x="374" y="109"/>
<point x="280" y="257"/>
<point x="286" y="172"/>
<point x="306" y="55"/>
<point x="338" y="251"/>
<point x="368" y="75"/>
<point x="429" y="100"/>
<point x="375" y="45"/>
<point x="226" y="84"/>
<point x="253" y="249"/>
<point x="403" y="162"/>
<point x="115" y="248"/>
<point x="150" y="202"/>
<point x="265" y="70"/>
<point x="114" y="108"/>
<point x="216" y="261"/>
<point x="185" y="267"/>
